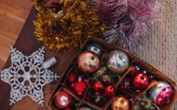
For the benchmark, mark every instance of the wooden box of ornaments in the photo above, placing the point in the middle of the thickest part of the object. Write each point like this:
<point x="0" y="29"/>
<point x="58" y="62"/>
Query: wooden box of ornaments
<point x="105" y="77"/>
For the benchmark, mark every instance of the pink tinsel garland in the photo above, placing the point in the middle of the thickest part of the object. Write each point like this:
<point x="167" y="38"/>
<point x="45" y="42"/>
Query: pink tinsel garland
<point x="128" y="21"/>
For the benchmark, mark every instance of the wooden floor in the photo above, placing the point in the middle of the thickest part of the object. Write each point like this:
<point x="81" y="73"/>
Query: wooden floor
<point x="13" y="14"/>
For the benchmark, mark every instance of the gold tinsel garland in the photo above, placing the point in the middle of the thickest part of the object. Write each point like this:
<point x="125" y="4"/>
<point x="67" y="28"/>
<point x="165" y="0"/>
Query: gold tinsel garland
<point x="66" y="24"/>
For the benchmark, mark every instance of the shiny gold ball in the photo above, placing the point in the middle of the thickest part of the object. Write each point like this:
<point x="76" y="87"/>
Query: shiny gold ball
<point x="120" y="103"/>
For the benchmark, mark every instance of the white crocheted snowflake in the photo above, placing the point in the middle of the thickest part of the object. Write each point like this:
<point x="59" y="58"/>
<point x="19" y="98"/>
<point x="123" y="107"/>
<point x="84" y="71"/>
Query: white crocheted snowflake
<point x="27" y="76"/>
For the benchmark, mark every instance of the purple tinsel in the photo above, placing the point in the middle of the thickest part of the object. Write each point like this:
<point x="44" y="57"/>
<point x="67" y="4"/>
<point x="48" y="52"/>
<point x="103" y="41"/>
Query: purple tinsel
<point x="128" y="21"/>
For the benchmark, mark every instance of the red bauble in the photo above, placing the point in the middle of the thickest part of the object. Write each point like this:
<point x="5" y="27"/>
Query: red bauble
<point x="98" y="86"/>
<point x="80" y="86"/>
<point x="140" y="81"/>
<point x="109" y="91"/>
<point x="62" y="99"/>
<point x="68" y="108"/>
<point x="72" y="77"/>
<point x="125" y="84"/>
<point x="134" y="70"/>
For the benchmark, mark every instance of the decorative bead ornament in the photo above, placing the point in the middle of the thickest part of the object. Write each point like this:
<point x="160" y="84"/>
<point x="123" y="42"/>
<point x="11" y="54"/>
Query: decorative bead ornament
<point x="27" y="75"/>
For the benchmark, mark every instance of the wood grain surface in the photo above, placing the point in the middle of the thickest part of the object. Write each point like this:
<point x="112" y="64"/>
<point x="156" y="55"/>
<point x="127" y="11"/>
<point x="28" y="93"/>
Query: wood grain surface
<point x="13" y="14"/>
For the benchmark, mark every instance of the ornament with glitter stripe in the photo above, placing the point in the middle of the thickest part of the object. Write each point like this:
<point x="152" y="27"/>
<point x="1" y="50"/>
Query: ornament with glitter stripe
<point x="161" y="93"/>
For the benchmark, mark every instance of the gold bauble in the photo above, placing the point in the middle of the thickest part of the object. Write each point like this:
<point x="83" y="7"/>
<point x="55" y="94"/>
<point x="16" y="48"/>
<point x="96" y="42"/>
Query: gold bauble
<point x="120" y="103"/>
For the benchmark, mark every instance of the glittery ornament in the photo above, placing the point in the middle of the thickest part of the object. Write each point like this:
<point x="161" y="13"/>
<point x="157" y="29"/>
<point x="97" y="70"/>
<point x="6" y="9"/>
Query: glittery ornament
<point x="118" y="61"/>
<point x="88" y="62"/>
<point x="161" y="93"/>
<point x="140" y="81"/>
<point x="80" y="86"/>
<point x="109" y="91"/>
<point x="98" y="86"/>
<point x="120" y="103"/>
<point x="125" y="84"/>
<point x="62" y="99"/>
<point x="27" y="75"/>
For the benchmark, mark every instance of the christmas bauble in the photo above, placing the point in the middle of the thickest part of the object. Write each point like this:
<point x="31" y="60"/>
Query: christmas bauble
<point x="140" y="81"/>
<point x="109" y="91"/>
<point x="120" y="103"/>
<point x="80" y="86"/>
<point x="161" y="93"/>
<point x="98" y="86"/>
<point x="62" y="99"/>
<point x="95" y="48"/>
<point x="84" y="108"/>
<point x="118" y="61"/>
<point x="88" y="62"/>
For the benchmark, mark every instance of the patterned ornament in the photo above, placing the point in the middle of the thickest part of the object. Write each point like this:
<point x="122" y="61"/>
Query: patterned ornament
<point x="80" y="86"/>
<point x="109" y="91"/>
<point x="118" y="61"/>
<point x="88" y="62"/>
<point x="62" y="99"/>
<point x="125" y="84"/>
<point x="161" y="93"/>
<point x="120" y="103"/>
<point x="98" y="86"/>
<point x="27" y="76"/>
<point x="140" y="81"/>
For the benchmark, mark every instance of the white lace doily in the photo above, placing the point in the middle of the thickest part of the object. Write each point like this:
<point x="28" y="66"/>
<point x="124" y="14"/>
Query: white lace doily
<point x="27" y="76"/>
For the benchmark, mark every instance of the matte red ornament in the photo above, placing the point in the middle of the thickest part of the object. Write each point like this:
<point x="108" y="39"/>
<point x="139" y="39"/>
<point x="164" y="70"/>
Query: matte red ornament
<point x="125" y="84"/>
<point x="72" y="77"/>
<point x="98" y="86"/>
<point x="140" y="81"/>
<point x="80" y="86"/>
<point x="62" y="99"/>
<point x="109" y="91"/>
